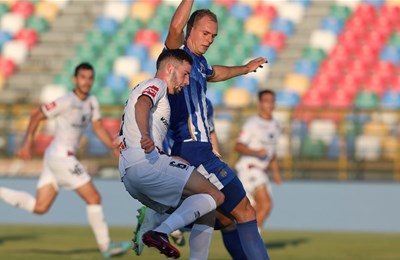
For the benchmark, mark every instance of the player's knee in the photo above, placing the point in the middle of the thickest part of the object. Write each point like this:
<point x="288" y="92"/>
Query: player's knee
<point x="94" y="199"/>
<point x="40" y="209"/>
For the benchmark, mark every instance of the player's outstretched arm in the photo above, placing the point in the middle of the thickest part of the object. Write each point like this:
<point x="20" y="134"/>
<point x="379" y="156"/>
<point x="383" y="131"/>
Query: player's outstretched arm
<point x="222" y="73"/>
<point x="26" y="149"/>
<point x="103" y="135"/>
<point x="176" y="36"/>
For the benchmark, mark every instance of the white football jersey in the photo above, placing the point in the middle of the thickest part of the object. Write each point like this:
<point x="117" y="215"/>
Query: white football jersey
<point x="156" y="90"/>
<point x="72" y="116"/>
<point x="258" y="133"/>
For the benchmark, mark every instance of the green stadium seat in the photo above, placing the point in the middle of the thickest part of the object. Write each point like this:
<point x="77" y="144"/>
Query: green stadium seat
<point x="314" y="54"/>
<point x="131" y="26"/>
<point x="86" y="52"/>
<point x="366" y="100"/>
<point x="37" y="23"/>
<point x="395" y="40"/>
<point x="340" y="11"/>
<point x="96" y="38"/>
<point x="3" y="9"/>
<point x="220" y="11"/>
<point x="106" y="96"/>
<point x="312" y="149"/>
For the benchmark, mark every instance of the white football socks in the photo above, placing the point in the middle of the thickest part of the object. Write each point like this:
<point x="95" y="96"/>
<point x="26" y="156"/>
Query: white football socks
<point x="199" y="241"/>
<point x="191" y="209"/>
<point x="98" y="225"/>
<point x="18" y="199"/>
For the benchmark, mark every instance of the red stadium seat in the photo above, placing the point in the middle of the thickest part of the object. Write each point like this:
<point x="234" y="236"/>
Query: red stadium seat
<point x="341" y="98"/>
<point x="383" y="25"/>
<point x="391" y="12"/>
<point x="313" y="99"/>
<point x="323" y="79"/>
<point x="375" y="39"/>
<point x="112" y="125"/>
<point x="349" y="83"/>
<point x="325" y="88"/>
<point x="368" y="54"/>
<point x="340" y="53"/>
<point x="23" y="8"/>
<point x="331" y="68"/>
<point x="265" y="10"/>
<point x="358" y="68"/>
<point x="367" y="12"/>
<point x="227" y="3"/>
<point x="376" y="84"/>
<point x="28" y="36"/>
<point x="7" y="67"/>
<point x="146" y="37"/>
<point x="274" y="39"/>
<point x="357" y="25"/>
<point x="394" y="84"/>
<point x="385" y="70"/>
<point x="350" y="40"/>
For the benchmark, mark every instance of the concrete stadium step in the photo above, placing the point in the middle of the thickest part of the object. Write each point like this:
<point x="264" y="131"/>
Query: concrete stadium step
<point x="62" y="38"/>
<point x="52" y="50"/>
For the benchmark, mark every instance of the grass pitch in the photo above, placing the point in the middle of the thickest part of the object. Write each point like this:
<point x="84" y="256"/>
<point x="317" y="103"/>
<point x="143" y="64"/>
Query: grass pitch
<point x="66" y="242"/>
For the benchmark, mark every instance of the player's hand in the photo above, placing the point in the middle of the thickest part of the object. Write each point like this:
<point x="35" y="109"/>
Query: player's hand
<point x="147" y="144"/>
<point x="180" y="159"/>
<point x="253" y="65"/>
<point x="262" y="153"/>
<point x="24" y="152"/>
<point x="277" y="179"/>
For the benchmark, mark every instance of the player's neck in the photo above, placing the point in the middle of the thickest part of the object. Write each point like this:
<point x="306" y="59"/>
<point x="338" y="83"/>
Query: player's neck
<point x="265" y="116"/>
<point x="80" y="95"/>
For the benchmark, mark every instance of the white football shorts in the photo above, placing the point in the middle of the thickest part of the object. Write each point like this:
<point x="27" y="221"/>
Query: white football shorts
<point x="158" y="185"/>
<point x="66" y="172"/>
<point x="252" y="178"/>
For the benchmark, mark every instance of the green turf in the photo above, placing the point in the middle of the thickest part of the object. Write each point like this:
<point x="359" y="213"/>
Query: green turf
<point x="52" y="242"/>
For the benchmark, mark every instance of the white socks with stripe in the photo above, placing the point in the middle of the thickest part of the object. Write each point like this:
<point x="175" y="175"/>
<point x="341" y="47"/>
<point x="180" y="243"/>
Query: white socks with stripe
<point x="18" y="199"/>
<point x="199" y="241"/>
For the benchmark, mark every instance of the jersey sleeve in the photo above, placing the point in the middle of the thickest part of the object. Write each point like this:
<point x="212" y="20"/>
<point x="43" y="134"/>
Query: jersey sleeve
<point x="96" y="115"/>
<point x="56" y="107"/>
<point x="154" y="92"/>
<point x="245" y="133"/>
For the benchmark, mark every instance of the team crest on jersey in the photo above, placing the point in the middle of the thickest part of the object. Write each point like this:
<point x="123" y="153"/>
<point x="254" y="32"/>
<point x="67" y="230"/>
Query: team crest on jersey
<point x="151" y="91"/>
<point x="50" y="106"/>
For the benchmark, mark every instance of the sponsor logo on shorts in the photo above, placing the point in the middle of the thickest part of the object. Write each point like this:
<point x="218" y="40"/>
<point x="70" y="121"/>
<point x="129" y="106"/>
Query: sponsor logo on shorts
<point x="196" y="214"/>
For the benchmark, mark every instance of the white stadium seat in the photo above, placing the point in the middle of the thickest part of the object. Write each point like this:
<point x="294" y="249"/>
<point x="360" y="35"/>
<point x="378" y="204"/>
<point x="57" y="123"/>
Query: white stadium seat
<point x="368" y="147"/>
<point x="116" y="10"/>
<point x="15" y="50"/>
<point x="12" y="23"/>
<point x="323" y="39"/>
<point x="126" y="66"/>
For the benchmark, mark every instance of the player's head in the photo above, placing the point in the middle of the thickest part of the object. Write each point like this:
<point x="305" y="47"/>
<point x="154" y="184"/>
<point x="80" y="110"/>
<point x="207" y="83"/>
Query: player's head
<point x="201" y="29"/>
<point x="83" y="78"/>
<point x="173" y="66"/>
<point x="266" y="102"/>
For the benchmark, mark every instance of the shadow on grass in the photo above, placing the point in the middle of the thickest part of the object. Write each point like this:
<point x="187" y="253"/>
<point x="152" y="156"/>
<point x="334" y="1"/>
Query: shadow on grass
<point x="59" y="251"/>
<point x="4" y="239"/>
<point x="284" y="243"/>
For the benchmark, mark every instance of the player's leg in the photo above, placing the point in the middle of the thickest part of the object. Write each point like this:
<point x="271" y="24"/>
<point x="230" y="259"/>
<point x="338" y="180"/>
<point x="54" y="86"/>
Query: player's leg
<point x="262" y="204"/>
<point x="47" y="190"/>
<point x="246" y="226"/>
<point x="90" y="195"/>
<point x="201" y="198"/>
<point x="201" y="235"/>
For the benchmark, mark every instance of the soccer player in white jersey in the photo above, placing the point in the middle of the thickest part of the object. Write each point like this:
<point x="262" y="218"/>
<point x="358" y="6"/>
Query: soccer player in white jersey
<point x="72" y="112"/>
<point x="257" y="143"/>
<point x="159" y="181"/>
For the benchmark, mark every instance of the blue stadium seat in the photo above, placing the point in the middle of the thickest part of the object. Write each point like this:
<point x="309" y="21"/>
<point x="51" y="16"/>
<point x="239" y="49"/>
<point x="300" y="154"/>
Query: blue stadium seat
<point x="267" y="52"/>
<point x="390" y="100"/>
<point x="117" y="83"/>
<point x="376" y="3"/>
<point x="4" y="37"/>
<point x="332" y="24"/>
<point x="241" y="11"/>
<point x="286" y="99"/>
<point x="138" y="51"/>
<point x="107" y="25"/>
<point x="249" y="83"/>
<point x="306" y="67"/>
<point x="391" y="53"/>
<point x="216" y="96"/>
<point x="283" y="25"/>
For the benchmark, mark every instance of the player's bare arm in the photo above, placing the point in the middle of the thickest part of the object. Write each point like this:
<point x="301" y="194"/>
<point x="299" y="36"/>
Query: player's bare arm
<point x="103" y="135"/>
<point x="26" y="149"/>
<point x="244" y="149"/>
<point x="142" y="111"/>
<point x="176" y="35"/>
<point x="222" y="73"/>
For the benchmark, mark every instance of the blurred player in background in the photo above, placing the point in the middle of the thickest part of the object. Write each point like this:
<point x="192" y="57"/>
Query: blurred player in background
<point x="191" y="131"/>
<point x="73" y="113"/>
<point x="257" y="143"/>
<point x="161" y="182"/>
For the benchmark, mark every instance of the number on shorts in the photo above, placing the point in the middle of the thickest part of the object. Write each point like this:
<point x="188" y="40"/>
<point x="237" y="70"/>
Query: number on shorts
<point x="179" y="165"/>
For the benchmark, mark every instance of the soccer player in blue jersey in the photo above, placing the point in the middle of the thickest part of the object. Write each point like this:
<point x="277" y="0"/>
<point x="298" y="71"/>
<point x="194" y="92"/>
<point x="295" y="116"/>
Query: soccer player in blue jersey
<point x="191" y="131"/>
